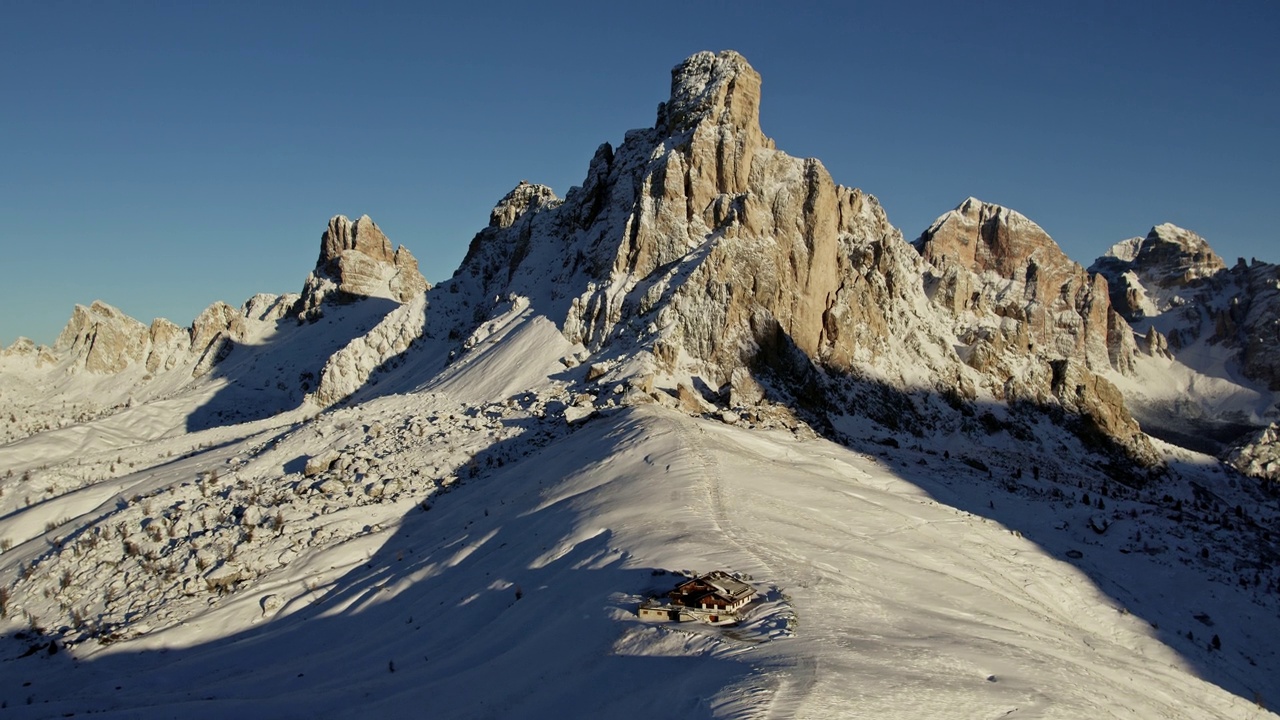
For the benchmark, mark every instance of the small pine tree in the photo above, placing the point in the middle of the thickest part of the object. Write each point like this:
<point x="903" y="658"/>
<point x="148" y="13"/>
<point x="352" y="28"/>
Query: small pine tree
<point x="1215" y="643"/>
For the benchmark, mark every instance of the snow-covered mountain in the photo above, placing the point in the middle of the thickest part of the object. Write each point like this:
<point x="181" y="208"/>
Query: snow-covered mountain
<point x="1209" y="333"/>
<point x="379" y="496"/>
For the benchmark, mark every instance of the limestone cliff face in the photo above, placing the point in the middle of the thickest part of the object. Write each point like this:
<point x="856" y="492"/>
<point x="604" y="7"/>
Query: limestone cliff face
<point x="992" y="262"/>
<point x="356" y="260"/>
<point x="1014" y="296"/>
<point x="101" y="339"/>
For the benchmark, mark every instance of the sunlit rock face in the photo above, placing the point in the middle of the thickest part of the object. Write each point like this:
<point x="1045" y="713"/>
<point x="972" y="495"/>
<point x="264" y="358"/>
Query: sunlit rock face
<point x="357" y="261"/>
<point x="1014" y="295"/>
<point x="101" y="339"/>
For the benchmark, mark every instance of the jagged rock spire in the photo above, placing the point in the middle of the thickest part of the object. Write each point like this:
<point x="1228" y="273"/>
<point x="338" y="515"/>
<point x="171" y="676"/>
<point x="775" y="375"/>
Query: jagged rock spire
<point x="356" y="260"/>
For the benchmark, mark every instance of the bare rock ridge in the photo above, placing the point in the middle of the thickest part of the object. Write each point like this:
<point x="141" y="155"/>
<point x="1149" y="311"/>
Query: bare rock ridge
<point x="101" y="339"/>
<point x="356" y="260"/>
<point x="715" y="252"/>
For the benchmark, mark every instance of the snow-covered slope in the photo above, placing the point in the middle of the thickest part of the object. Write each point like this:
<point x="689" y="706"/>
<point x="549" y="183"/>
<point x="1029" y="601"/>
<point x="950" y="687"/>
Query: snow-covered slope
<point x="377" y="498"/>
<point x="510" y="586"/>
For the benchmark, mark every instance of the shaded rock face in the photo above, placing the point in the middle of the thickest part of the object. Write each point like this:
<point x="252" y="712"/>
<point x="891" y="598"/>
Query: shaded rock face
<point x="356" y="260"/>
<point x="1256" y="317"/>
<point x="214" y="334"/>
<point x="702" y="243"/>
<point x="1173" y="279"/>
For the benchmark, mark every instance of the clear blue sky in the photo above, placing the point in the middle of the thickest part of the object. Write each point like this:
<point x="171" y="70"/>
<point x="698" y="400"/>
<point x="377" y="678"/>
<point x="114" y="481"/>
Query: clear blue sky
<point x="164" y="155"/>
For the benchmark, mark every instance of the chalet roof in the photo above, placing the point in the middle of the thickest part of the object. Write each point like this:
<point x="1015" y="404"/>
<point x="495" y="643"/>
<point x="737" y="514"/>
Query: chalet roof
<point x="728" y="585"/>
<point x="722" y="584"/>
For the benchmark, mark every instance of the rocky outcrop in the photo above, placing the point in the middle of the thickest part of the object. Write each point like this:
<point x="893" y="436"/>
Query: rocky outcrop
<point x="1258" y="456"/>
<point x="214" y="335"/>
<point x="989" y="262"/>
<point x="523" y="198"/>
<point x="101" y="339"/>
<point x="349" y="369"/>
<point x="356" y="261"/>
<point x="26" y="350"/>
<point x="265" y="307"/>
<point x="168" y="345"/>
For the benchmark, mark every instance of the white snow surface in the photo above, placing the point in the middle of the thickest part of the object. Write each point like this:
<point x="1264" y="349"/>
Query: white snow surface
<point x="471" y="554"/>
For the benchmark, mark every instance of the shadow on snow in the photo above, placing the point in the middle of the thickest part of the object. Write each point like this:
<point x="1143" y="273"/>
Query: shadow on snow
<point x="488" y="601"/>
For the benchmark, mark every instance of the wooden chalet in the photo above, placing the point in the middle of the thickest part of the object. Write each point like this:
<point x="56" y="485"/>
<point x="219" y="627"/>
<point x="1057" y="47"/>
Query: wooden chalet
<point x="714" y="598"/>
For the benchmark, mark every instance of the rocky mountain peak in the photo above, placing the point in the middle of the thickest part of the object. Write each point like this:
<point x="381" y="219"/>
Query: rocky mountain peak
<point x="982" y="237"/>
<point x="1169" y="256"/>
<point x="343" y="235"/>
<point x="102" y="338"/>
<point x="720" y="88"/>
<point x="356" y="260"/>
<point x="716" y="255"/>
<point x="1148" y="275"/>
<point x="1015" y="295"/>
<point x="524" y="197"/>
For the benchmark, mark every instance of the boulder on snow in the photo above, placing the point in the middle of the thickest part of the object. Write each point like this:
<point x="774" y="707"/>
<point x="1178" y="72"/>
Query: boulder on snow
<point x="320" y="463"/>
<point x="271" y="604"/>
<point x="1099" y="523"/>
